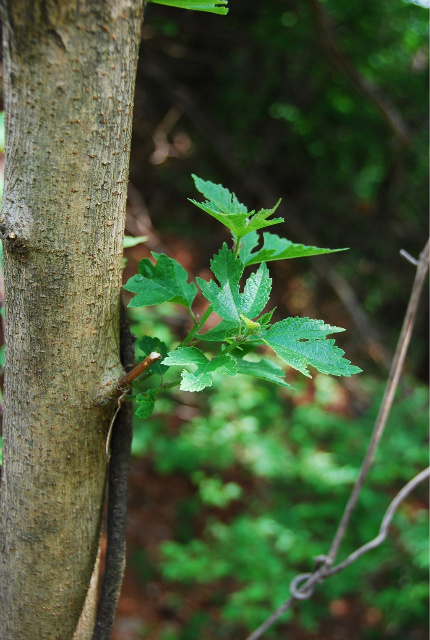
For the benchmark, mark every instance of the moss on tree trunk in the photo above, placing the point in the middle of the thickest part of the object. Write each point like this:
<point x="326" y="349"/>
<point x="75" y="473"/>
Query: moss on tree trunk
<point x="69" y="83"/>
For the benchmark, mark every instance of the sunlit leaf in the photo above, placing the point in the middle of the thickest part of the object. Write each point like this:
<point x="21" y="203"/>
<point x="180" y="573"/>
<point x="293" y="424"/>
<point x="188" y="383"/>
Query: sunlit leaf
<point x="131" y="241"/>
<point x="226" y="300"/>
<point x="277" y="248"/>
<point x="225" y="207"/>
<point x="301" y="342"/>
<point x="202" y="376"/>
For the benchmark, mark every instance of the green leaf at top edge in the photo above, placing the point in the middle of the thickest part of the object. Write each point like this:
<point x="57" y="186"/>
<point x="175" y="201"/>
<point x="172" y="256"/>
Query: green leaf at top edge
<point x="214" y="6"/>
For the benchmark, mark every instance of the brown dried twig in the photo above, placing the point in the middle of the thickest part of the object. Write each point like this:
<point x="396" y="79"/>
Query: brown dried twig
<point x="387" y="400"/>
<point x="126" y="380"/>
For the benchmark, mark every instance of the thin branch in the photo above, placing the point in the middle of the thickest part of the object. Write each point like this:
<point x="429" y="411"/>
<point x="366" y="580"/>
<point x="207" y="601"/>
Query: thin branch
<point x="302" y="586"/>
<point x="126" y="380"/>
<point x="383" y="531"/>
<point x="387" y="400"/>
<point x="408" y="257"/>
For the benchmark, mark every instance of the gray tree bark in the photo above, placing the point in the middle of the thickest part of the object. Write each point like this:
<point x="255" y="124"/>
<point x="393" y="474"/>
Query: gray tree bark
<point x="69" y="69"/>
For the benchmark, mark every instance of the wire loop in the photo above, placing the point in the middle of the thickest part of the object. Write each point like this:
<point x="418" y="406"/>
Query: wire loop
<point x="300" y="593"/>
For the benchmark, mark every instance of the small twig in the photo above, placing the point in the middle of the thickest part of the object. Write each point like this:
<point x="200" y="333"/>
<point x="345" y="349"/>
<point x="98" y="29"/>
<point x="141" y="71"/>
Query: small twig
<point x="408" y="257"/>
<point x="125" y="381"/>
<point x="383" y="530"/>
<point x="123" y="387"/>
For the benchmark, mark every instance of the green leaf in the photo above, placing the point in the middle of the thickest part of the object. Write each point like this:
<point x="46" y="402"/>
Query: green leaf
<point x="253" y="327"/>
<point x="247" y="244"/>
<point x="264" y="369"/>
<point x="259" y="219"/>
<point x="301" y="342"/>
<point x="216" y="6"/>
<point x="266" y="318"/>
<point x="256" y="293"/>
<point x="226" y="300"/>
<point x="145" y="402"/>
<point x="225" y="207"/>
<point x="225" y="330"/>
<point x="276" y="248"/>
<point x="202" y="376"/>
<point x="166" y="281"/>
<point x="148" y="344"/>
<point x="131" y="241"/>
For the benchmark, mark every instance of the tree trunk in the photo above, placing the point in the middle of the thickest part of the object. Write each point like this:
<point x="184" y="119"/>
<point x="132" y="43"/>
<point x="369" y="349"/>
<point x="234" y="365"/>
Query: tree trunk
<point x="69" y="69"/>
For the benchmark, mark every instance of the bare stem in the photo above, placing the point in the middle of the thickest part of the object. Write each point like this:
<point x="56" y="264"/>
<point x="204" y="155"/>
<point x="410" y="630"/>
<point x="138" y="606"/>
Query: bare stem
<point x="197" y="327"/>
<point x="126" y="380"/>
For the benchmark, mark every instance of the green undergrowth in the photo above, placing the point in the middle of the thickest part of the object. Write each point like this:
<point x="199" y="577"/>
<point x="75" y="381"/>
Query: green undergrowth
<point x="272" y="470"/>
<point x="271" y="453"/>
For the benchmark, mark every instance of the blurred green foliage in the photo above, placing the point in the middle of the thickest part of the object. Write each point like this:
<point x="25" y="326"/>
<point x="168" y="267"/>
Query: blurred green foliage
<point x="272" y="473"/>
<point x="272" y="469"/>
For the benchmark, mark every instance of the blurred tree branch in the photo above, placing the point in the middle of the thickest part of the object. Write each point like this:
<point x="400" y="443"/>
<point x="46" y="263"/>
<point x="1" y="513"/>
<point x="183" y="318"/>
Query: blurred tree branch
<point x="368" y="89"/>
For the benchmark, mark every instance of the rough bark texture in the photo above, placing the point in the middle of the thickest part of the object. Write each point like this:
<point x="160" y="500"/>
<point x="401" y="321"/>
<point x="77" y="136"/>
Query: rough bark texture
<point x="69" y="83"/>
